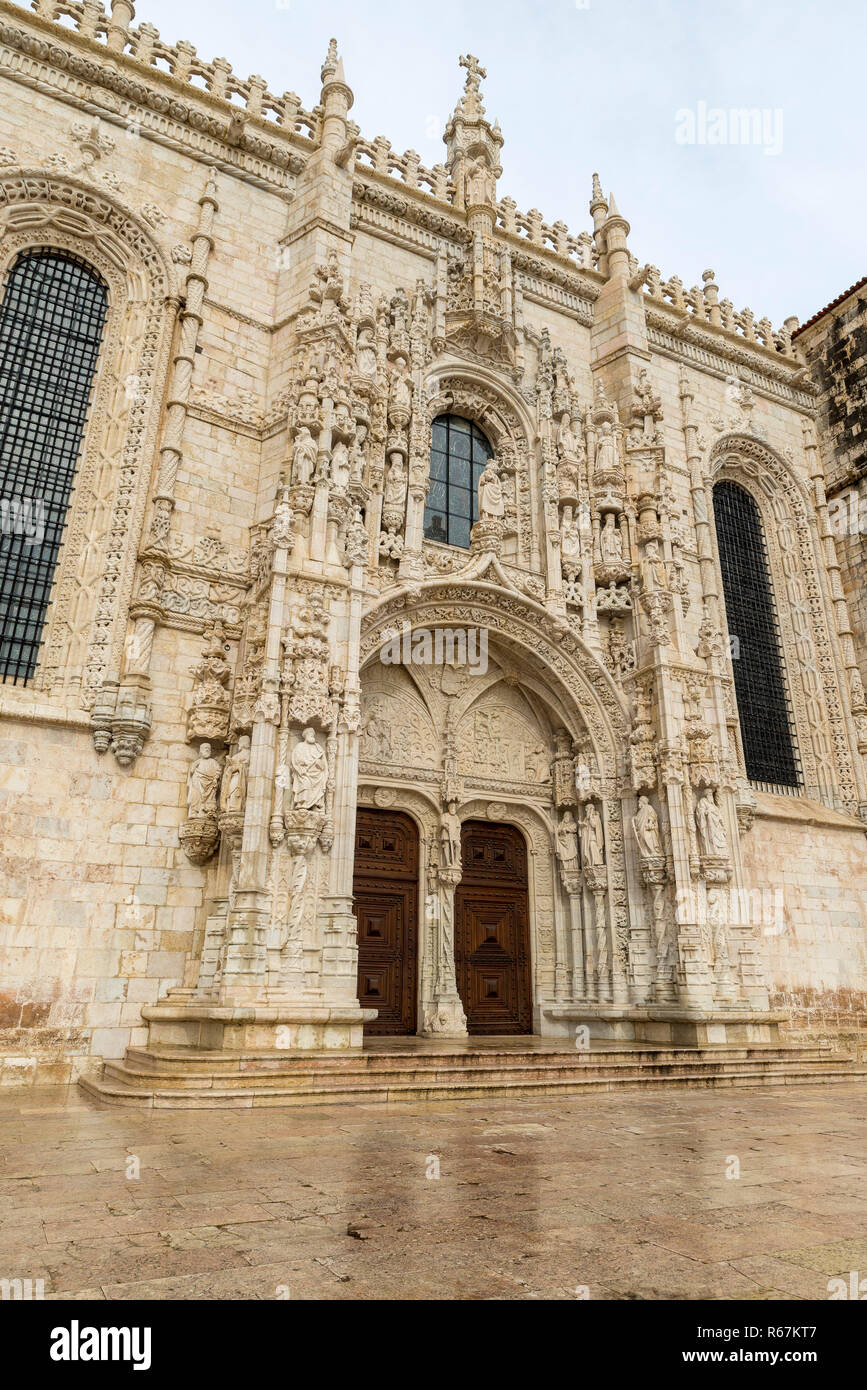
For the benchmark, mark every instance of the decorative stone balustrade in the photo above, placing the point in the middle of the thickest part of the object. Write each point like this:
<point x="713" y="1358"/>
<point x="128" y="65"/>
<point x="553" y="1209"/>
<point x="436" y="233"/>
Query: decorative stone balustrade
<point x="703" y="304"/>
<point x="91" y="21"/>
<point x="114" y="29"/>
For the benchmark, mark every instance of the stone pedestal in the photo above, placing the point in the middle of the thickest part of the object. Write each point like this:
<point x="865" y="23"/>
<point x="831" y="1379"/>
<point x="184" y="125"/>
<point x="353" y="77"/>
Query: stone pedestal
<point x="272" y="1024"/>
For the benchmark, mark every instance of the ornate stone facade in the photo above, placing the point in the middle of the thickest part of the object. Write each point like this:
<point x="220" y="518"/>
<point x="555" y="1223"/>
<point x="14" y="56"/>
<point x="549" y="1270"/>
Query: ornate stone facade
<point x="295" y="306"/>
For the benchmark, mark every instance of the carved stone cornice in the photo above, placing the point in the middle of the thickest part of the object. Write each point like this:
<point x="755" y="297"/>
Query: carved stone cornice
<point x="715" y="354"/>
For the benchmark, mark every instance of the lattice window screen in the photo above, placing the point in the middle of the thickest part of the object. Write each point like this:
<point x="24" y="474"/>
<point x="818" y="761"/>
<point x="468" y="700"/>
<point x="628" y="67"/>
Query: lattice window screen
<point x="51" y="325"/>
<point x="760" y="684"/>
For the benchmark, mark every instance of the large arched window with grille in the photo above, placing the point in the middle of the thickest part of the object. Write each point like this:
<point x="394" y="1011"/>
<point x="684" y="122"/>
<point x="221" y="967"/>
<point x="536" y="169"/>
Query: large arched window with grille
<point x="51" y="324"/>
<point x="459" y="452"/>
<point x="765" y="715"/>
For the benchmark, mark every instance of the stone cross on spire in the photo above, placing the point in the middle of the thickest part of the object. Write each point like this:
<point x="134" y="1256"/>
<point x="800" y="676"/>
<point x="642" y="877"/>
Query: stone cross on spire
<point x="475" y="72"/>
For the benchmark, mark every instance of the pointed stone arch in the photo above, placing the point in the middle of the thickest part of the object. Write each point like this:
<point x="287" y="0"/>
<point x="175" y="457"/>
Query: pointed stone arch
<point x="808" y="653"/>
<point x="548" y="647"/>
<point x="567" y="674"/>
<point x="86" y="618"/>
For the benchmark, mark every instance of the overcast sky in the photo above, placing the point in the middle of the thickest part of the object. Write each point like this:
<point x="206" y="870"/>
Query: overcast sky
<point x="604" y="86"/>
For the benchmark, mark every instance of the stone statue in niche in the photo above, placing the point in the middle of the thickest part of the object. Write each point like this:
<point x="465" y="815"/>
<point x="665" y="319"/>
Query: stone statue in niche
<point x="365" y="351"/>
<point x="203" y="780"/>
<point x="567" y="444"/>
<point x="356" y="454"/>
<point x="303" y="457"/>
<point x="592" y="839"/>
<point x="570" y="538"/>
<point x="611" y="541"/>
<point x="606" y="448"/>
<point x="492" y="506"/>
<point x="395" y="482"/>
<point x="400" y="405"/>
<point x="645" y="827"/>
<point x="340" y="466"/>
<point x="233" y="787"/>
<point x="567" y="843"/>
<point x="309" y="773"/>
<point x="479" y="183"/>
<point x="450" y="837"/>
<point x="712" y="837"/>
<point x="654" y="573"/>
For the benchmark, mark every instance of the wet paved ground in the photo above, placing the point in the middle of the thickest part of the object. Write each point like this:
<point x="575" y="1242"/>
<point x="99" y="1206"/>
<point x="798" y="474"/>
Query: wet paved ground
<point x="627" y="1195"/>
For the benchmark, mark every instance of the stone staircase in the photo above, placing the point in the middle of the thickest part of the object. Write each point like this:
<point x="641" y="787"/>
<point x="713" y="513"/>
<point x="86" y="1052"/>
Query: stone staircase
<point x="166" y="1077"/>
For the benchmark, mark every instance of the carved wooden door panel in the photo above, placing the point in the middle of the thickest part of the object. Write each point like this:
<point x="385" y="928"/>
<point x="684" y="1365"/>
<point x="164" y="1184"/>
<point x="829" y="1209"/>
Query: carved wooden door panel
<point x="385" y="892"/>
<point x="492" y="937"/>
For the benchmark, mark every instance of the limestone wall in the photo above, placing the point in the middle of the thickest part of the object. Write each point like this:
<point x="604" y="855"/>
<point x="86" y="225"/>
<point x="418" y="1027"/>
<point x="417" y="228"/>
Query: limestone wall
<point x="809" y="865"/>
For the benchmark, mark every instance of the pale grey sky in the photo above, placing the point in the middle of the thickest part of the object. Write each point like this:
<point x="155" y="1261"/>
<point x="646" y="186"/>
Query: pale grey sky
<point x="598" y="85"/>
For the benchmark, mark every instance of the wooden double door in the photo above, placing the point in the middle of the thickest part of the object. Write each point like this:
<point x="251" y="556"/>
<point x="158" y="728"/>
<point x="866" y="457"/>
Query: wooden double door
<point x="491" y="929"/>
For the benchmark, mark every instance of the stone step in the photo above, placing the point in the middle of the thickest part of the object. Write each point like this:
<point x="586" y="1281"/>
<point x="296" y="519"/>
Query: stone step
<point x="438" y="1071"/>
<point x="160" y="1098"/>
<point x="431" y="1080"/>
<point x="197" y="1062"/>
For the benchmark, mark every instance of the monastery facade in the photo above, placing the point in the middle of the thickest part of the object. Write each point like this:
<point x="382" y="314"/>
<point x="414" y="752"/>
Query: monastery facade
<point x="416" y="618"/>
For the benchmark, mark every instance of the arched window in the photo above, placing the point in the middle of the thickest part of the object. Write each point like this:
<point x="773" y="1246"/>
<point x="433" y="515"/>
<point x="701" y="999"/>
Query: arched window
<point x="51" y="323"/>
<point x="760" y="684"/>
<point x="458" y="456"/>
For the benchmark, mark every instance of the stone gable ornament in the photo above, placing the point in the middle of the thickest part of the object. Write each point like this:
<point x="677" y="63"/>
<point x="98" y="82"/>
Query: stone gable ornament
<point x="208" y="715"/>
<point x="305" y="671"/>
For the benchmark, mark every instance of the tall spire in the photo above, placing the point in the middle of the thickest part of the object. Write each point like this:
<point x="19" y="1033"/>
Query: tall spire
<point x="473" y="145"/>
<point x="336" y="99"/>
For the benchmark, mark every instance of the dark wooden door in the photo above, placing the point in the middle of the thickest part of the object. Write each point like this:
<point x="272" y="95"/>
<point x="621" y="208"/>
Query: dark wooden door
<point x="385" y="892"/>
<point x="492" y="946"/>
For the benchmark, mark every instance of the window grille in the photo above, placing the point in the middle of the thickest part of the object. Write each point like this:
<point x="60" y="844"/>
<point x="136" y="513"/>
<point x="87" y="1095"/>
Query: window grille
<point x="51" y="324"/>
<point x="764" y="710"/>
